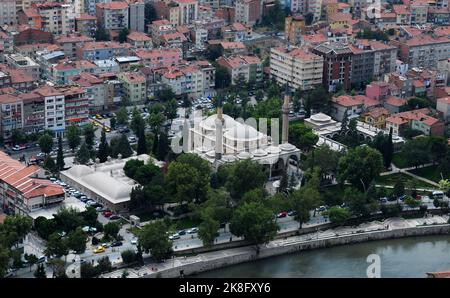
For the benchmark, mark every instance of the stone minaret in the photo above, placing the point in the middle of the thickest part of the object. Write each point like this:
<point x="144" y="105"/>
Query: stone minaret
<point x="219" y="131"/>
<point x="285" y="128"/>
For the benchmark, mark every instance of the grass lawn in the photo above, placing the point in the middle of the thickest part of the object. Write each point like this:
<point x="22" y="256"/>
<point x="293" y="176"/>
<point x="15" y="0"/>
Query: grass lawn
<point x="400" y="160"/>
<point x="185" y="223"/>
<point x="391" y="179"/>
<point x="431" y="173"/>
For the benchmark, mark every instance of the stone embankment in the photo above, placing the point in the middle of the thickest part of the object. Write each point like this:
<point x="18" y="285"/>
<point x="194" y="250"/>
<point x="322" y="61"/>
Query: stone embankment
<point x="388" y="229"/>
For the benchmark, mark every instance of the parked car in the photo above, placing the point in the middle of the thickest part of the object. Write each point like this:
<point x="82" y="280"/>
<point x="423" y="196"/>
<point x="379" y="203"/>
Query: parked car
<point x="105" y="245"/>
<point x="192" y="230"/>
<point x="107" y="214"/>
<point x="182" y="232"/>
<point x="282" y="214"/>
<point x="99" y="249"/>
<point x="174" y="237"/>
<point x="114" y="217"/>
<point x="116" y="243"/>
<point x="383" y="200"/>
<point x="292" y="213"/>
<point x="133" y="241"/>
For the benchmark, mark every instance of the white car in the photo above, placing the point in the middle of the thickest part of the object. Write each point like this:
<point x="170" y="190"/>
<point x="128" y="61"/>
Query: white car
<point x="133" y="241"/>
<point x="192" y="231"/>
<point x="174" y="237"/>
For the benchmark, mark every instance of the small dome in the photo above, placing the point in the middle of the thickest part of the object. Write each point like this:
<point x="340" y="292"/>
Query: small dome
<point x="211" y="154"/>
<point x="203" y="149"/>
<point x="320" y="117"/>
<point x="287" y="147"/>
<point x="259" y="152"/>
<point x="229" y="158"/>
<point x="245" y="155"/>
<point x="273" y="150"/>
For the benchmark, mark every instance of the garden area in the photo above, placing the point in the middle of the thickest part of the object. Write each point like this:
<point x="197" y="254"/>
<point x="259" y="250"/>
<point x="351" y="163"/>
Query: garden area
<point x="432" y="173"/>
<point x="389" y="180"/>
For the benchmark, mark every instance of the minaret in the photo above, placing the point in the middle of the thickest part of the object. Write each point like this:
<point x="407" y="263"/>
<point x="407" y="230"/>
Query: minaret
<point x="285" y="128"/>
<point x="219" y="130"/>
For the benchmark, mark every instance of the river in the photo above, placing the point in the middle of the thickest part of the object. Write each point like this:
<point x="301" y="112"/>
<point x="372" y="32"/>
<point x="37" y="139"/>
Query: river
<point x="406" y="257"/>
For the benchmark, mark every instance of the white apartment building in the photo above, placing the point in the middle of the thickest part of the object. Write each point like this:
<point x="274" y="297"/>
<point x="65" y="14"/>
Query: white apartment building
<point x="54" y="109"/>
<point x="57" y="18"/>
<point x="136" y="15"/>
<point x="297" y="67"/>
<point x="247" y="67"/>
<point x="188" y="11"/>
<point x="8" y="12"/>
<point x="24" y="63"/>
<point x="113" y="16"/>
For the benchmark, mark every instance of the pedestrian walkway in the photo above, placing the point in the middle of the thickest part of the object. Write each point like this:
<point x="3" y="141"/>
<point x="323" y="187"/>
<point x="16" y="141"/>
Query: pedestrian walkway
<point x="154" y="269"/>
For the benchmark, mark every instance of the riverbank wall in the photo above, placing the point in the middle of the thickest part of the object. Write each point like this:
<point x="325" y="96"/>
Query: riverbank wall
<point x="219" y="259"/>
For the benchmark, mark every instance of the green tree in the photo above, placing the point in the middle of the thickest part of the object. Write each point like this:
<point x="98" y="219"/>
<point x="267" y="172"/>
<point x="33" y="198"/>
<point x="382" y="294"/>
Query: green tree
<point x="122" y="116"/>
<point x="417" y="151"/>
<point x="104" y="265"/>
<point x="103" y="148"/>
<point x="123" y="34"/>
<point x="4" y="260"/>
<point x="325" y="159"/>
<point x="150" y="14"/>
<point x="31" y="259"/>
<point x="121" y="145"/>
<point x="83" y="154"/>
<point x="389" y="151"/>
<point x="170" y="109"/>
<point x="303" y="201"/>
<point x="101" y="34"/>
<point x="153" y="238"/>
<point x="418" y="103"/>
<point x="155" y="121"/>
<point x="412" y="203"/>
<point x="245" y="175"/>
<point x="73" y="136"/>
<point x="89" y="135"/>
<point x="208" y="230"/>
<point x="309" y="18"/>
<point x="188" y="178"/>
<point x="76" y="241"/>
<point x="46" y="143"/>
<point x="128" y="256"/>
<point x="44" y="227"/>
<point x="40" y="272"/>
<point x="113" y="122"/>
<point x="111" y="229"/>
<point x="302" y="136"/>
<point x="60" y="157"/>
<point x="338" y="215"/>
<point x="255" y="222"/>
<point x="50" y="165"/>
<point x="56" y="247"/>
<point x="360" y="166"/>
<point x="18" y="137"/>
<point x="142" y="142"/>
<point x="399" y="188"/>
<point x="68" y="219"/>
<point x="165" y="95"/>
<point x="223" y="77"/>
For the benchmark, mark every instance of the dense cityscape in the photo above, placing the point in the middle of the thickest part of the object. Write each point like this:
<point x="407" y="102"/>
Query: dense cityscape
<point x="202" y="138"/>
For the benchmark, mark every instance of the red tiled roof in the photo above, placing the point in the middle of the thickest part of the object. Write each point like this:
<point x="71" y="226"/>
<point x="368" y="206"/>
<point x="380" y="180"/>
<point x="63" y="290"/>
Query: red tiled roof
<point x="347" y="101"/>
<point x="395" y="101"/>
<point x="113" y="5"/>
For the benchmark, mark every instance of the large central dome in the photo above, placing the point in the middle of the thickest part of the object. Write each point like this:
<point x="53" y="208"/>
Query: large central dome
<point x="210" y="122"/>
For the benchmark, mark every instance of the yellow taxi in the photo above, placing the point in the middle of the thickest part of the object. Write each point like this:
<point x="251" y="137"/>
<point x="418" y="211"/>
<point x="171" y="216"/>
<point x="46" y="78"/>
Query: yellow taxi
<point x="99" y="249"/>
<point x="98" y="116"/>
<point x="107" y="129"/>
